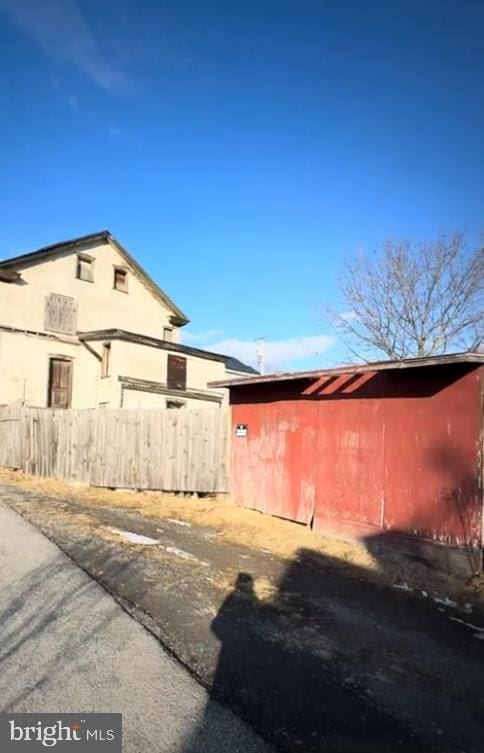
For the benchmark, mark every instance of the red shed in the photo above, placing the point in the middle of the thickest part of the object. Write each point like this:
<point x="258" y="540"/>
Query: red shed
<point x="389" y="452"/>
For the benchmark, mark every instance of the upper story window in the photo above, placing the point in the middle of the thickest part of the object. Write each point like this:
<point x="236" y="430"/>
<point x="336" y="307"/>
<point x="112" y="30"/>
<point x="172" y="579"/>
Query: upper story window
<point x="60" y="314"/>
<point x="85" y="268"/>
<point x="167" y="334"/>
<point x="121" y="279"/>
<point x="176" y="376"/>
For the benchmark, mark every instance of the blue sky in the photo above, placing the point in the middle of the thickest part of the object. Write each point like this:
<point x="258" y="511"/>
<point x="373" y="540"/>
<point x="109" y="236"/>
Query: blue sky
<point x="240" y="148"/>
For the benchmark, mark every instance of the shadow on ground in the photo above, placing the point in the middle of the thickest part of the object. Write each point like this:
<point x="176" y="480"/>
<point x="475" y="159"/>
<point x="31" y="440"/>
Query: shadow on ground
<point x="304" y="686"/>
<point x="313" y="654"/>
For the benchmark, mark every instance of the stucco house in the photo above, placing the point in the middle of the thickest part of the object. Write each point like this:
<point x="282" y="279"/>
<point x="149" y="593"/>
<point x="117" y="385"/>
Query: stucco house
<point x="82" y="325"/>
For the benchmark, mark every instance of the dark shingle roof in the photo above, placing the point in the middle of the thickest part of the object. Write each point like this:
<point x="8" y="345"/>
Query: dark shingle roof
<point x="233" y="364"/>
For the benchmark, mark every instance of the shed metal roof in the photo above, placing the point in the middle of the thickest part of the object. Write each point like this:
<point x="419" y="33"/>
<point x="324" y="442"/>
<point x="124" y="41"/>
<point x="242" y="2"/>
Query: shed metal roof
<point x="355" y="368"/>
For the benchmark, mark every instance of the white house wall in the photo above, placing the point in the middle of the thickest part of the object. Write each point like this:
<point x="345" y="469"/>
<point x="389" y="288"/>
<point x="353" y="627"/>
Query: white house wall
<point x="100" y="305"/>
<point x="24" y="370"/>
<point x="24" y="355"/>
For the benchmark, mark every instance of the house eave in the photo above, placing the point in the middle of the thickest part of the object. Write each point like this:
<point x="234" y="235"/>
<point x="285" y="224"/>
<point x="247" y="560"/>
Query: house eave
<point x="9" y="275"/>
<point x="151" y="342"/>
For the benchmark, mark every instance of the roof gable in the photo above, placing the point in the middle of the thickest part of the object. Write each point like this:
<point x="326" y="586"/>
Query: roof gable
<point x="104" y="236"/>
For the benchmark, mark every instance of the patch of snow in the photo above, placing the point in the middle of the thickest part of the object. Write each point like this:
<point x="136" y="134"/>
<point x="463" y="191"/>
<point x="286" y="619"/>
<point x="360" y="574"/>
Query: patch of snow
<point x="467" y="608"/>
<point x="402" y="586"/>
<point x="180" y="522"/>
<point x="184" y="555"/>
<point x="446" y="602"/>
<point x="424" y="593"/>
<point x="134" y="538"/>
<point x="479" y="634"/>
<point x="180" y="553"/>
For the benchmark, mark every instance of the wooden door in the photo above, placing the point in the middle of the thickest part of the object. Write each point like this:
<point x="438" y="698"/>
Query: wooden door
<point x="60" y="380"/>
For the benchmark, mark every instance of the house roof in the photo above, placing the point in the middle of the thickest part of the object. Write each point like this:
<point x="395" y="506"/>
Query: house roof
<point x="233" y="364"/>
<point x="407" y="363"/>
<point x="104" y="236"/>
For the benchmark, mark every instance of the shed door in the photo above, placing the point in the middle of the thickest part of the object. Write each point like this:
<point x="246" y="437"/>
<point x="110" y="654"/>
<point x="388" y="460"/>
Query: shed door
<point x="60" y="379"/>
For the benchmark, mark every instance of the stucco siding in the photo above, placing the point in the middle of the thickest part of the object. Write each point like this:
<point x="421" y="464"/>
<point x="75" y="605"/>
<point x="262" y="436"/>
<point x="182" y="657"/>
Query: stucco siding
<point x="140" y="362"/>
<point x="140" y="399"/>
<point x="96" y="305"/>
<point x="24" y="370"/>
<point x="100" y="305"/>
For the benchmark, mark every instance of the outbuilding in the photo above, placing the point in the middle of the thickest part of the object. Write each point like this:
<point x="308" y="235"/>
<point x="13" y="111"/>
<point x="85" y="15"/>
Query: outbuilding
<point x="390" y="453"/>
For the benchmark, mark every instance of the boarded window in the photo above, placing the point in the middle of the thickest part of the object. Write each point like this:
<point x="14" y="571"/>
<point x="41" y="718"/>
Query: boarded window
<point x="85" y="268"/>
<point x="106" y="356"/>
<point x="60" y="314"/>
<point x="120" y="279"/>
<point x="176" y="373"/>
<point x="167" y="333"/>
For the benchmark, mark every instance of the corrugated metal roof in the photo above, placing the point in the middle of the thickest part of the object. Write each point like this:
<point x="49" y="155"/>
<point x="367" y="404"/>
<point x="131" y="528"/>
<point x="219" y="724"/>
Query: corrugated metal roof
<point x="408" y="363"/>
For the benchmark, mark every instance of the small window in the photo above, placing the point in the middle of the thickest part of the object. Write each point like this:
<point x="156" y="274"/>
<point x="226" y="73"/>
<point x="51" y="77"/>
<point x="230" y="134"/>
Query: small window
<point x="167" y="333"/>
<point x="85" y="268"/>
<point x="176" y="378"/>
<point x="105" y="359"/>
<point x="120" y="279"/>
<point x="175" y="404"/>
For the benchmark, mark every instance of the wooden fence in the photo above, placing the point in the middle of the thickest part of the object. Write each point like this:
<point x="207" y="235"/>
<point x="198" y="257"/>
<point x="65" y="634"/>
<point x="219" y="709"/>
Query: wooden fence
<point x="172" y="450"/>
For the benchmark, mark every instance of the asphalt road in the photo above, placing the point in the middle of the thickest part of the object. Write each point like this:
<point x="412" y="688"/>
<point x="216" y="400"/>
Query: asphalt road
<point x="67" y="646"/>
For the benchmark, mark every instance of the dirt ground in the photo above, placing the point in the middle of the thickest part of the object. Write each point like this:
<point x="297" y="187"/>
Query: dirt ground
<point x="236" y="524"/>
<point x="309" y="645"/>
<point x="245" y="527"/>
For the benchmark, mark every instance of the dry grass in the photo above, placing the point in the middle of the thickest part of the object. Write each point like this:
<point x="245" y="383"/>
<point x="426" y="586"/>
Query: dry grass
<point x="235" y="524"/>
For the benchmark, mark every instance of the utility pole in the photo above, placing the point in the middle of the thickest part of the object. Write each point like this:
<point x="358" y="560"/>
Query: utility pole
<point x="260" y="353"/>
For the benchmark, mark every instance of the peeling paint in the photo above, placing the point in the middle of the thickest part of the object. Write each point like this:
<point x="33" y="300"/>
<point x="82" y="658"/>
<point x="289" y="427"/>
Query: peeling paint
<point x="393" y="454"/>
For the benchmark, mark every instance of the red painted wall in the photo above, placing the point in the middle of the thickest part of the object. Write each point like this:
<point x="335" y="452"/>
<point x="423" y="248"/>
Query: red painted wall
<point x="392" y="451"/>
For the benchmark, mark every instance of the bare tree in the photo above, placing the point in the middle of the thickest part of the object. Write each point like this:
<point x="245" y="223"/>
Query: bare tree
<point x="412" y="299"/>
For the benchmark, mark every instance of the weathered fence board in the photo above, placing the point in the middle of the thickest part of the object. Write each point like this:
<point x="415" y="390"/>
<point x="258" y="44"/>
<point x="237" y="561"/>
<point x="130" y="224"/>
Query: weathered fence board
<point x="172" y="450"/>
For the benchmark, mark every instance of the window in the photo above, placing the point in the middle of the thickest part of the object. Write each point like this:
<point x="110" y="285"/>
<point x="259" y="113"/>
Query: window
<point x="167" y="333"/>
<point x="106" y="356"/>
<point x="176" y="377"/>
<point x="120" y="279"/>
<point x="60" y="314"/>
<point x="175" y="404"/>
<point x="85" y="268"/>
